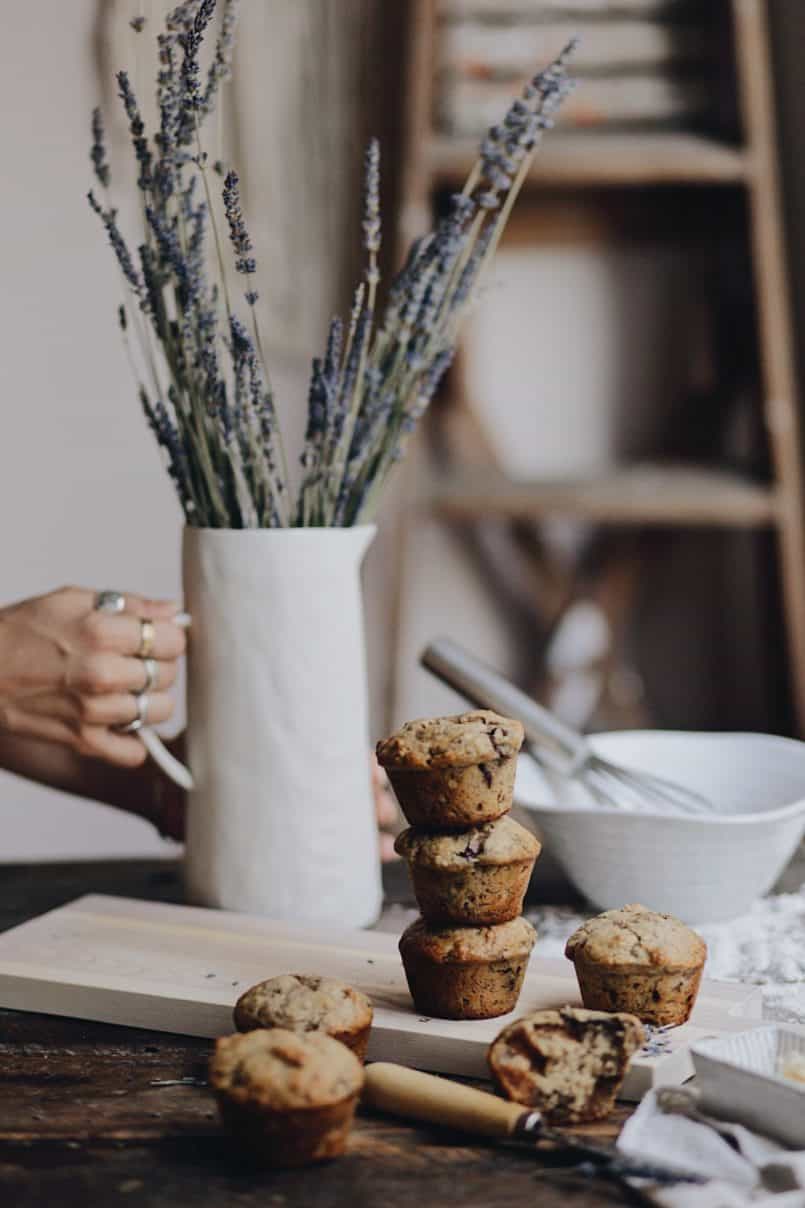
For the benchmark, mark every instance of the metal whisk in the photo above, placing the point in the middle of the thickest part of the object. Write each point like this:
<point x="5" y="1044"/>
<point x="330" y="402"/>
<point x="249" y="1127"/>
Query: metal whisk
<point x="555" y="746"/>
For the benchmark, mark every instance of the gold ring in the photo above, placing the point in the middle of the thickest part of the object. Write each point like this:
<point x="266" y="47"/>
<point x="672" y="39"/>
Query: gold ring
<point x="147" y="637"/>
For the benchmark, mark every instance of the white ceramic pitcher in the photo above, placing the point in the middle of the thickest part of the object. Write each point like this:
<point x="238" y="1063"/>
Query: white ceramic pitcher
<point x="281" y="817"/>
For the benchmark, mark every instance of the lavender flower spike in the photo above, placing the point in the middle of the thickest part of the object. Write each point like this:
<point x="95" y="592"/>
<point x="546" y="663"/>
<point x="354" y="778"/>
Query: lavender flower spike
<point x="137" y="129"/>
<point x="221" y="67"/>
<point x="238" y="235"/>
<point x="109" y="220"/>
<point x="98" y="150"/>
<point x="190" y="40"/>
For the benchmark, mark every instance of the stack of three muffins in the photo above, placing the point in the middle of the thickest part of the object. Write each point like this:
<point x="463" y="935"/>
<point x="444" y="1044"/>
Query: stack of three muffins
<point x="470" y="864"/>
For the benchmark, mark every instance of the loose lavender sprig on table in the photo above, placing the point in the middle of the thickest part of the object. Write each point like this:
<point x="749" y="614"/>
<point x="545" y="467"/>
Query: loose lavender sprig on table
<point x="202" y="378"/>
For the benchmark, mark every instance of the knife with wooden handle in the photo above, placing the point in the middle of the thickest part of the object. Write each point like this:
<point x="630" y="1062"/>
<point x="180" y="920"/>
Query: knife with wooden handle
<point x="418" y="1096"/>
<point x="425" y="1097"/>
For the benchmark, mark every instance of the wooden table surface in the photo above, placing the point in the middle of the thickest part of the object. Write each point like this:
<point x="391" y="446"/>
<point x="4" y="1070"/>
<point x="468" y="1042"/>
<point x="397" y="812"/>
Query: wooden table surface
<point x="86" y="1118"/>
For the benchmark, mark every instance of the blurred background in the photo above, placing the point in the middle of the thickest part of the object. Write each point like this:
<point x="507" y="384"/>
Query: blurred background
<point x="606" y="501"/>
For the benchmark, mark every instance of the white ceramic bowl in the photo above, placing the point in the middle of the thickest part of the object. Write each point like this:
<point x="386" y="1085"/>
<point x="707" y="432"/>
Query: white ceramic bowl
<point x="703" y="868"/>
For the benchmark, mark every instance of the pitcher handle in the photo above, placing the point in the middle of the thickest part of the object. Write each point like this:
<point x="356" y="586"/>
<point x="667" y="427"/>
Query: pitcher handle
<point x="173" y="768"/>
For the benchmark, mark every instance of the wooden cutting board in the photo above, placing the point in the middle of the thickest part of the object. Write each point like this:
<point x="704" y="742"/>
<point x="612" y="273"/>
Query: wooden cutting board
<point x="180" y="969"/>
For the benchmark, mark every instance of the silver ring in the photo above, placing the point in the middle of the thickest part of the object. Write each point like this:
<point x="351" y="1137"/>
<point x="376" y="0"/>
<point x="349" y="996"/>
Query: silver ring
<point x="110" y="601"/>
<point x="141" y="703"/>
<point x="151" y="673"/>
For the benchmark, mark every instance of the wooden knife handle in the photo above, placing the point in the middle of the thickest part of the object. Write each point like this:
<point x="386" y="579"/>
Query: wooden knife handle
<point x="418" y="1096"/>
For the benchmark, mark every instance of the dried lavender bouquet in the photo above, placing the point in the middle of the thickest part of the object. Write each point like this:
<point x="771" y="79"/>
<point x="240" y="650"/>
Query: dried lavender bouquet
<point x="202" y="377"/>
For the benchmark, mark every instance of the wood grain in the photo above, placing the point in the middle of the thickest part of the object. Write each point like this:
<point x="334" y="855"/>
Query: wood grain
<point x="181" y="969"/>
<point x="642" y="495"/>
<point x="776" y="342"/>
<point x="82" y="1123"/>
<point x="602" y="158"/>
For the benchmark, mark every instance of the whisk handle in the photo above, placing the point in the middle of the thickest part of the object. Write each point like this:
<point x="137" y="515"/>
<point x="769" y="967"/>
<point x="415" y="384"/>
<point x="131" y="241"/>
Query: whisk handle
<point x="483" y="686"/>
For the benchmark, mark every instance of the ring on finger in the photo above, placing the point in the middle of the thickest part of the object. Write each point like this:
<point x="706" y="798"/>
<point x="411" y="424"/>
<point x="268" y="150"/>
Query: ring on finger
<point x="147" y="638"/>
<point x="151" y="668"/>
<point x="141" y="703"/>
<point x="110" y="601"/>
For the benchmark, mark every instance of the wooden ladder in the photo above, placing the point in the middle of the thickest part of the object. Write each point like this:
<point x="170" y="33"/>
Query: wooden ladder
<point x="645" y="495"/>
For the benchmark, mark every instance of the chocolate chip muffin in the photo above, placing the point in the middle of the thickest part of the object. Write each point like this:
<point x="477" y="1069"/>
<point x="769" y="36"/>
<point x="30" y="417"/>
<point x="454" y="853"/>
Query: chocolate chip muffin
<point x="476" y="876"/>
<point x="305" y="1003"/>
<point x="453" y="772"/>
<point x="568" y="1063"/>
<point x="286" y="1099"/>
<point x="466" y="972"/>
<point x="633" y="959"/>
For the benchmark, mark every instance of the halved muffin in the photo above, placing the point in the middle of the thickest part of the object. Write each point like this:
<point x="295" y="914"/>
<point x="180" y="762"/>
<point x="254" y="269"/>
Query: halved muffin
<point x="568" y="1063"/>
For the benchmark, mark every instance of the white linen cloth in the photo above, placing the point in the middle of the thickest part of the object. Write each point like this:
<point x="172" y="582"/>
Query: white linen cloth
<point x="760" y="1173"/>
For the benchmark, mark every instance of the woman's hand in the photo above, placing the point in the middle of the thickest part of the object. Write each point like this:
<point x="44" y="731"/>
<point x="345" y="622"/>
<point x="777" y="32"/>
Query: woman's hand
<point x="69" y="673"/>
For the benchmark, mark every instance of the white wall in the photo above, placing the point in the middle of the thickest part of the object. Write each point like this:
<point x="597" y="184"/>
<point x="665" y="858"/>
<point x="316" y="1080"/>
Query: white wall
<point x="82" y="495"/>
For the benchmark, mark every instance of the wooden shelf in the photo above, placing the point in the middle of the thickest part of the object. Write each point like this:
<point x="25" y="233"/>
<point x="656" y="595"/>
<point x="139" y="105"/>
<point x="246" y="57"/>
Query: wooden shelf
<point x="643" y="494"/>
<point x="570" y="162"/>
<point x="602" y="158"/>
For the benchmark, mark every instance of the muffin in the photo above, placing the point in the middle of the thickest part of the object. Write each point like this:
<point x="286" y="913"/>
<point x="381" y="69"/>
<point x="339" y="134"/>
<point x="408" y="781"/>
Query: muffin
<point x="635" y="960"/>
<point x="472" y="876"/>
<point x="302" y="1003"/>
<point x="466" y="972"/>
<point x="286" y="1099"/>
<point x="568" y="1063"/>
<point x="453" y="772"/>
